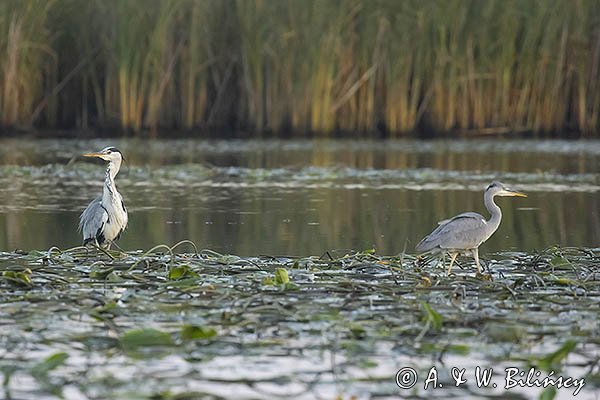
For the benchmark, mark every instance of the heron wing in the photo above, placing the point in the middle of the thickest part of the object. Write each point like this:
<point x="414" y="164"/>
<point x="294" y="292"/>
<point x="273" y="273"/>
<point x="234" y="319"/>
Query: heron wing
<point x="464" y="231"/>
<point x="463" y="215"/>
<point x="92" y="220"/>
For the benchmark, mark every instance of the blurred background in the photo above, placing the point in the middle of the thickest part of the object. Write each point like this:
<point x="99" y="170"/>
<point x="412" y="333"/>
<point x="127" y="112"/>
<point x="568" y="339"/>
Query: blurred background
<point x="329" y="100"/>
<point x="378" y="68"/>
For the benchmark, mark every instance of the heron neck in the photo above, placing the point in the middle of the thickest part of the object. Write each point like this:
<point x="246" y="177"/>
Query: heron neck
<point x="110" y="189"/>
<point x="493" y="209"/>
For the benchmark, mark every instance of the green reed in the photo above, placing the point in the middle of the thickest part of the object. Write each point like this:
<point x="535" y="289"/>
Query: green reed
<point x="314" y="66"/>
<point x="28" y="61"/>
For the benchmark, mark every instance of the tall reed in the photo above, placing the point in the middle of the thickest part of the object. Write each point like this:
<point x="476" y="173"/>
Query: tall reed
<point x="311" y="66"/>
<point x="28" y="61"/>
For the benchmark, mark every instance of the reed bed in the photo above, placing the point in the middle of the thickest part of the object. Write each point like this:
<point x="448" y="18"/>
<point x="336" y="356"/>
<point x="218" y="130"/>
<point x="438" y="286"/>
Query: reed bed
<point x="304" y="67"/>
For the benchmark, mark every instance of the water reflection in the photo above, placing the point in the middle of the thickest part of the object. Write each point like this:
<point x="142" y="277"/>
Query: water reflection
<point x="385" y="195"/>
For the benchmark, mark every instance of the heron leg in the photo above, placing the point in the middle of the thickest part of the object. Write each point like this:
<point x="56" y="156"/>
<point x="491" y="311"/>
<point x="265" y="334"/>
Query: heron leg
<point x="476" y="257"/>
<point x="452" y="258"/>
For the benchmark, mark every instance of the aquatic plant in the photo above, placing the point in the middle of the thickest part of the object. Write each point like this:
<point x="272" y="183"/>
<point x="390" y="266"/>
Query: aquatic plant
<point x="148" y="321"/>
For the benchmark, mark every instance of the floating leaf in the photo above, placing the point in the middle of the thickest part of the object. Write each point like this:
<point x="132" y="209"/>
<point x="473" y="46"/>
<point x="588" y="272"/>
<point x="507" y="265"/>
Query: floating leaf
<point x="548" y="394"/>
<point x="281" y="276"/>
<point x="191" y="332"/>
<point x="136" y="338"/>
<point x="108" y="307"/>
<point x="19" y="278"/>
<point x="267" y="280"/>
<point x="100" y="272"/>
<point x="181" y="271"/>
<point x="432" y="316"/>
<point x="358" y="332"/>
<point x="183" y="283"/>
<point x="362" y="363"/>
<point x="50" y="363"/>
<point x="565" y="282"/>
<point x="553" y="360"/>
<point x="461" y="349"/>
<point x="559" y="261"/>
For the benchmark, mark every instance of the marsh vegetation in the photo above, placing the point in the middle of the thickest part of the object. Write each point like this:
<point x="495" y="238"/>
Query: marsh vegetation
<point x="372" y="67"/>
<point x="199" y="324"/>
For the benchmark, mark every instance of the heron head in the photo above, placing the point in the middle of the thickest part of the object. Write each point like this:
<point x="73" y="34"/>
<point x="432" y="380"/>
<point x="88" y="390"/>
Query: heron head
<point x="107" y="154"/>
<point x="499" y="189"/>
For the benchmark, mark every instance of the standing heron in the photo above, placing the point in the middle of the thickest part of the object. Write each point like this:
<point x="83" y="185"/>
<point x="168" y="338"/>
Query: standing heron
<point x="466" y="232"/>
<point x="105" y="218"/>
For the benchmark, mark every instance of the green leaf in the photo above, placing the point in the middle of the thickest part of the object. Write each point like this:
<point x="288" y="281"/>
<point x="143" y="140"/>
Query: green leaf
<point x="183" y="283"/>
<point x="19" y="278"/>
<point x="291" y="286"/>
<point x="148" y="337"/>
<point x="461" y="349"/>
<point x="267" y="280"/>
<point x="565" y="282"/>
<point x="559" y="261"/>
<point x="50" y="363"/>
<point x="281" y="276"/>
<point x="432" y="316"/>
<point x="100" y="272"/>
<point x="193" y="332"/>
<point x="553" y="360"/>
<point x="105" y="308"/>
<point x="181" y="271"/>
<point x="364" y="364"/>
<point x="548" y="394"/>
<point x="358" y="332"/>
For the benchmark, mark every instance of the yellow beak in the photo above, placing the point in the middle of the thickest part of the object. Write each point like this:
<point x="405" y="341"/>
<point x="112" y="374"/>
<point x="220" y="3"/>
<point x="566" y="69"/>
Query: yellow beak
<point x="518" y="194"/>
<point x="98" y="155"/>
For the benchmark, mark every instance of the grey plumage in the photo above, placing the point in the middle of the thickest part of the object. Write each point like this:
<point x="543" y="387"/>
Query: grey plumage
<point x="92" y="220"/>
<point x="105" y="218"/>
<point x="465" y="232"/>
<point x="462" y="231"/>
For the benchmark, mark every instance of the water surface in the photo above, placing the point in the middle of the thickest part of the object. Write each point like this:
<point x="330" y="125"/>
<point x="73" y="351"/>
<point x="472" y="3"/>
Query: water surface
<point x="77" y="324"/>
<point x="301" y="197"/>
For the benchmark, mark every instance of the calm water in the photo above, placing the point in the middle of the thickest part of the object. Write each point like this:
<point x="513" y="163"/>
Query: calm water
<point x="341" y="328"/>
<point x="301" y="197"/>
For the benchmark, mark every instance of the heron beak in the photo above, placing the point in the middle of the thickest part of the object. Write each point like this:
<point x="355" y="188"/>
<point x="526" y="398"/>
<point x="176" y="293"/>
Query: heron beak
<point x="516" y="194"/>
<point x="97" y="155"/>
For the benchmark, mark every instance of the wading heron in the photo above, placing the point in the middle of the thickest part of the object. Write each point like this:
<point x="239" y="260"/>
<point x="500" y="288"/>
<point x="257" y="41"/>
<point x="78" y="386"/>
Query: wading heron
<point x="105" y="218"/>
<point x="466" y="232"/>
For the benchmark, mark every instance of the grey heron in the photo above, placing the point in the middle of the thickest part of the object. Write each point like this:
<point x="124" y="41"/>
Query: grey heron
<point x="465" y="232"/>
<point x="105" y="218"/>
